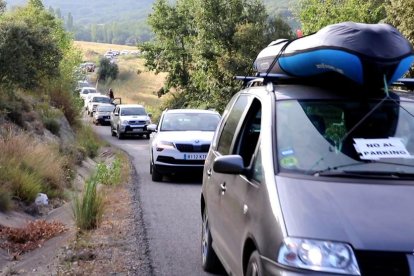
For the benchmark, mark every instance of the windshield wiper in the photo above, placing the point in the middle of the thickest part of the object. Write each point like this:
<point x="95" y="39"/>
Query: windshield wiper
<point x="332" y="171"/>
<point x="362" y="174"/>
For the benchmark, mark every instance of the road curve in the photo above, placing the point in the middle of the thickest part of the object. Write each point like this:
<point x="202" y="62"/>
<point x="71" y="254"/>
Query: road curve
<point x="171" y="212"/>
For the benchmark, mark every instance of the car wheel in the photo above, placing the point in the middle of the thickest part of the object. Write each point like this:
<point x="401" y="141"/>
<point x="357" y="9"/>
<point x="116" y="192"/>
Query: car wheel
<point x="209" y="259"/>
<point x="119" y="134"/>
<point x="254" y="268"/>
<point x="155" y="175"/>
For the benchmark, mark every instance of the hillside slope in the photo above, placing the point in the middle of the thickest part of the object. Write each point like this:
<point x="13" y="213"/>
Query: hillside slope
<point x="97" y="11"/>
<point x="104" y="11"/>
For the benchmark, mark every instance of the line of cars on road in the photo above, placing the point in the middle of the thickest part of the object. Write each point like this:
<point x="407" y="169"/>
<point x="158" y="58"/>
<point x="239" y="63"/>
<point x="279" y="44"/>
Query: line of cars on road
<point x="179" y="142"/>
<point x="297" y="179"/>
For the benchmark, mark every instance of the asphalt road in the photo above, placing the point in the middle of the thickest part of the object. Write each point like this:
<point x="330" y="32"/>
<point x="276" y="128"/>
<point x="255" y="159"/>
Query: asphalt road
<point x="171" y="212"/>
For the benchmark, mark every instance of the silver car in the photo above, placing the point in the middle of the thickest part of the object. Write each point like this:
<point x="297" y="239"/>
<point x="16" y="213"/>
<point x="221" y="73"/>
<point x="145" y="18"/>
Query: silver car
<point x="102" y="114"/>
<point x="130" y="119"/>
<point x="306" y="180"/>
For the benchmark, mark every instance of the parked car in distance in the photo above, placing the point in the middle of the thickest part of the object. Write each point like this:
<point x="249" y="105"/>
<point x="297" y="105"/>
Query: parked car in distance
<point x="88" y="66"/>
<point x="310" y="180"/>
<point x="86" y="90"/>
<point x="95" y="101"/>
<point x="88" y="97"/>
<point x="81" y="84"/>
<point x="130" y="119"/>
<point x="181" y="141"/>
<point x="102" y="114"/>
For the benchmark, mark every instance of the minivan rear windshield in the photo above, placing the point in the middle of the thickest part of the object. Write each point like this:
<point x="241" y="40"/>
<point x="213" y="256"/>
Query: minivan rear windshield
<point x="347" y="136"/>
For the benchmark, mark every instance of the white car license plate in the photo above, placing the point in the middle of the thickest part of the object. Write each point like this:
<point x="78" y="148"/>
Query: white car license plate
<point x="195" y="156"/>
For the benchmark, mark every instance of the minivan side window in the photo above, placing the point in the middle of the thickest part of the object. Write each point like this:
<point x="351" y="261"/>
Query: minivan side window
<point x="249" y="133"/>
<point x="227" y="134"/>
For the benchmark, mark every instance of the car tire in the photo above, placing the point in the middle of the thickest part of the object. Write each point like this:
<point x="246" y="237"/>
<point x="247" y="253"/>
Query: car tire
<point x="209" y="259"/>
<point x="254" y="267"/>
<point x="155" y="175"/>
<point x="119" y="134"/>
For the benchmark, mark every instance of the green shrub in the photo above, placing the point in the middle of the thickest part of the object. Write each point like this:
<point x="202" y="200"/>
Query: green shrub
<point x="5" y="200"/>
<point x="88" y="207"/>
<point x="109" y="175"/>
<point x="67" y="102"/>
<point x="24" y="184"/>
<point x="52" y="125"/>
<point x="89" y="141"/>
<point x="107" y="70"/>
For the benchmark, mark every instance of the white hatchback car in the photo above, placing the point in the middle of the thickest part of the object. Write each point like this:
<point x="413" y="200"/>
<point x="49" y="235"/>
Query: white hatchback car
<point x="181" y="141"/>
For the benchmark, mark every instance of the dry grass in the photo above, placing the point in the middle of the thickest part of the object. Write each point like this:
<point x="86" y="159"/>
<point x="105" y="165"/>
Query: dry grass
<point x="130" y="86"/>
<point x="29" y="166"/>
<point x="101" y="48"/>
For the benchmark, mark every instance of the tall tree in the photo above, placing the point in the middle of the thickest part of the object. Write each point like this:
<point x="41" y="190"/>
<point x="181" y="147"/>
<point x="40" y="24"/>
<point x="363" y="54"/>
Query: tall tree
<point x="316" y="14"/>
<point x="400" y="15"/>
<point x="204" y="44"/>
<point x="58" y="13"/>
<point x="69" y="22"/>
<point x="2" y="6"/>
<point x="36" y="3"/>
<point x="34" y="47"/>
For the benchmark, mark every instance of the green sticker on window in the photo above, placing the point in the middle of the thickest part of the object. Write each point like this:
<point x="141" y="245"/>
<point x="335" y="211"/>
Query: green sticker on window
<point x="288" y="162"/>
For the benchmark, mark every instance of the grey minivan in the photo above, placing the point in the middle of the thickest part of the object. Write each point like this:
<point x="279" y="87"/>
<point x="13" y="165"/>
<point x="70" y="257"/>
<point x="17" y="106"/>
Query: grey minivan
<point x="303" y="181"/>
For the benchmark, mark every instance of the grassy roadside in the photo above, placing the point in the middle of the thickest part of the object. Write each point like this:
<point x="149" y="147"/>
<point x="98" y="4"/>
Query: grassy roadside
<point x="28" y="166"/>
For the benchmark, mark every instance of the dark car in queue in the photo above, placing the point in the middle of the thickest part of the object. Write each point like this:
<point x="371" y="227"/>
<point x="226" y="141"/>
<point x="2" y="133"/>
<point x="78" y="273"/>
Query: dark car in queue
<point x="307" y="180"/>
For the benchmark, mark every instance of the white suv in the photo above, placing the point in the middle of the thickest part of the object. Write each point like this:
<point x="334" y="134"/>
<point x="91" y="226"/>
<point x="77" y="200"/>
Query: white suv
<point x="130" y="119"/>
<point x="181" y="141"/>
<point x="86" y="90"/>
<point x="95" y="101"/>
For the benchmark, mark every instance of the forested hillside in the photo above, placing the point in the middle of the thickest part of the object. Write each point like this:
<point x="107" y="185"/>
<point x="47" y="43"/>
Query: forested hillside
<point x="122" y="22"/>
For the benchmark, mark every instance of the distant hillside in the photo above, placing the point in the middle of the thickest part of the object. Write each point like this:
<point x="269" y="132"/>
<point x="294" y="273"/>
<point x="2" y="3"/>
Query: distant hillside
<point x="124" y="21"/>
<point x="97" y="11"/>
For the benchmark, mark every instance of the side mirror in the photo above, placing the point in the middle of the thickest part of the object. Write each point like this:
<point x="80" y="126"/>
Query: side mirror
<point x="152" y="127"/>
<point x="229" y="164"/>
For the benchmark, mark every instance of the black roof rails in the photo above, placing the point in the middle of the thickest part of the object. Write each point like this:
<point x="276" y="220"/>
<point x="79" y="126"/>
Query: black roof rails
<point x="264" y="77"/>
<point x="404" y="82"/>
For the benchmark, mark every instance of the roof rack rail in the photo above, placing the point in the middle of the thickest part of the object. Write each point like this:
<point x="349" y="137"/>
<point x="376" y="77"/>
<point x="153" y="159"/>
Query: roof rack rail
<point x="263" y="78"/>
<point x="404" y="82"/>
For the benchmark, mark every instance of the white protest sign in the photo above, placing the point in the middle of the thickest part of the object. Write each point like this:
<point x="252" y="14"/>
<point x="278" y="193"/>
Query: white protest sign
<point x="374" y="149"/>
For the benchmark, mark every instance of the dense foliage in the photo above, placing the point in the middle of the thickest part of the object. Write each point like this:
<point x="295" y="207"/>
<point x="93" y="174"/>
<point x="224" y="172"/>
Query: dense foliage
<point x="400" y="14"/>
<point x="107" y="70"/>
<point x="316" y="14"/>
<point x="204" y="44"/>
<point x="125" y="22"/>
